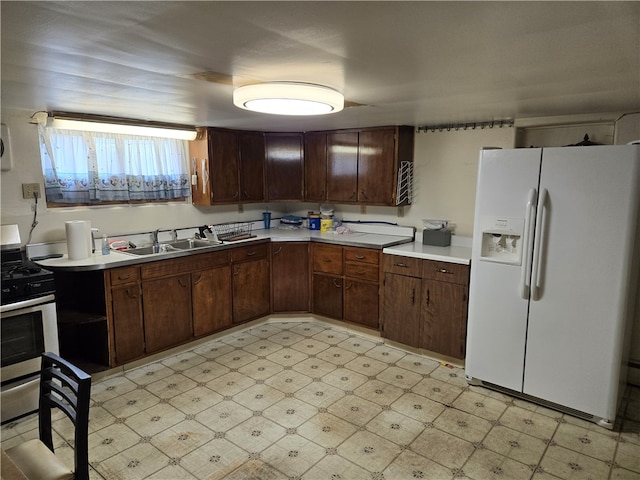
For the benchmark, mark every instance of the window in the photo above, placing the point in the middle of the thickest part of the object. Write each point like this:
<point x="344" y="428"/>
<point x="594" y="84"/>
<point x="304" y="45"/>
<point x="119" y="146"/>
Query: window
<point x="90" y="168"/>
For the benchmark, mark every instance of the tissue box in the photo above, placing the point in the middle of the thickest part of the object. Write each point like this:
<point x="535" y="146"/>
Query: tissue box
<point x="437" y="238"/>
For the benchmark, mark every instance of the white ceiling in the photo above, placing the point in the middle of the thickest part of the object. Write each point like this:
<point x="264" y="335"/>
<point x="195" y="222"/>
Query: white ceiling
<point x="416" y="63"/>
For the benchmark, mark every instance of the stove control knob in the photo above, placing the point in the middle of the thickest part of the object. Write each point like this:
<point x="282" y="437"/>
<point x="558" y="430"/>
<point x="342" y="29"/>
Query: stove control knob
<point x="12" y="289"/>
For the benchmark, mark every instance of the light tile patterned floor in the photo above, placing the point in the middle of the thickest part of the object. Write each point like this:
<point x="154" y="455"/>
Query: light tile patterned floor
<point x="314" y="401"/>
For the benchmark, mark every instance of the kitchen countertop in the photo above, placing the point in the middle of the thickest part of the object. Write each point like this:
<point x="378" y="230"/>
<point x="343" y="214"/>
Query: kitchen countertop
<point x="458" y="252"/>
<point x="367" y="238"/>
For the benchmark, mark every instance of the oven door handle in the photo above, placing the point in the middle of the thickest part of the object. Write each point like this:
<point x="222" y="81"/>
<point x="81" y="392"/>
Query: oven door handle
<point x="32" y="302"/>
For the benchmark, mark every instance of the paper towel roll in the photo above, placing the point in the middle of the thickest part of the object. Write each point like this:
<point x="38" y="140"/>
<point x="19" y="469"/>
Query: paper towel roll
<point x="78" y="239"/>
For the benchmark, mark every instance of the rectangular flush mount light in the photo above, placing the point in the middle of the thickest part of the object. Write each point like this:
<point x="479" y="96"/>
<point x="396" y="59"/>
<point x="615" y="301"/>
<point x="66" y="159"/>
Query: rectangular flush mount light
<point x="96" y="123"/>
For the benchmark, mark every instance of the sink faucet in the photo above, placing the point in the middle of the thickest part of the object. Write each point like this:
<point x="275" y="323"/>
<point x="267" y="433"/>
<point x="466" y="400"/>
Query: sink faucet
<point x="156" y="244"/>
<point x="174" y="235"/>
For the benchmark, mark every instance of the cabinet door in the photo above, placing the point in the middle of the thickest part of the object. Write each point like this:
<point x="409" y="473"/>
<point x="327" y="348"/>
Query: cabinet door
<point x="128" y="330"/>
<point x="327" y="295"/>
<point x="361" y="303"/>
<point x="211" y="300"/>
<point x="167" y="311"/>
<point x="401" y="309"/>
<point x="223" y="155"/>
<point x="342" y="167"/>
<point x="200" y="168"/>
<point x="290" y="276"/>
<point x="285" y="171"/>
<point x="251" y="292"/>
<point x="251" y="157"/>
<point x="444" y="318"/>
<point x="315" y="167"/>
<point x="376" y="166"/>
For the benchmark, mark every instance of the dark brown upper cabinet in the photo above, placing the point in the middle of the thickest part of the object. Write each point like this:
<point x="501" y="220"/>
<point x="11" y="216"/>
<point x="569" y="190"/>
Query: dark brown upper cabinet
<point x="315" y="166"/>
<point x="362" y="166"/>
<point x="284" y="167"/>
<point x="227" y="166"/>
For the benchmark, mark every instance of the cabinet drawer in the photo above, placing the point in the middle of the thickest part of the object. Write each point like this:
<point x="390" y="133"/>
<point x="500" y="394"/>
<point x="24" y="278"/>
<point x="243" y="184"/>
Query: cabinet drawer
<point x="365" y="255"/>
<point x="446" y="272"/>
<point x="361" y="271"/>
<point x="250" y="252"/>
<point x="409" y="266"/>
<point x="188" y="264"/>
<point x="123" y="275"/>
<point x="327" y="259"/>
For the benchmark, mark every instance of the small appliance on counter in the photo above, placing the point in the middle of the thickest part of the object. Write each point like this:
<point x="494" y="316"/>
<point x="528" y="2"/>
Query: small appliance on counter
<point x="436" y="233"/>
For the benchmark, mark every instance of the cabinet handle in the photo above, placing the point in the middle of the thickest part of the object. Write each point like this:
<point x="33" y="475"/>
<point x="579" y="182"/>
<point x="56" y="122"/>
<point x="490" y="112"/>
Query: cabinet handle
<point x="347" y="287"/>
<point x="198" y="280"/>
<point x="130" y="294"/>
<point x="359" y="257"/>
<point x="428" y="297"/>
<point x="236" y="195"/>
<point x="182" y="284"/>
<point x="326" y="260"/>
<point x="402" y="265"/>
<point x="278" y="251"/>
<point x="124" y="277"/>
<point x="236" y="270"/>
<point x="359" y="272"/>
<point x="353" y="195"/>
<point x="443" y="270"/>
<point x="413" y="296"/>
<point x="251" y="254"/>
<point x="336" y="284"/>
<point x="364" y="195"/>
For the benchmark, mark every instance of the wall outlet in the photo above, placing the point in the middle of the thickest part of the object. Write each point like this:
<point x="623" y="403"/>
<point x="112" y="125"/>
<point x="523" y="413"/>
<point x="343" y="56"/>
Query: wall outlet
<point x="29" y="189"/>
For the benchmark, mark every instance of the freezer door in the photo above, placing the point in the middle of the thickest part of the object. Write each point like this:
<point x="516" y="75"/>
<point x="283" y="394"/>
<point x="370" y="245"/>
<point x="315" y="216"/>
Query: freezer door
<point x="498" y="294"/>
<point x="576" y="326"/>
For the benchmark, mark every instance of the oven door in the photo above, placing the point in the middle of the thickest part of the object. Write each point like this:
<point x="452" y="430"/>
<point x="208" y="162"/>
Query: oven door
<point x="29" y="329"/>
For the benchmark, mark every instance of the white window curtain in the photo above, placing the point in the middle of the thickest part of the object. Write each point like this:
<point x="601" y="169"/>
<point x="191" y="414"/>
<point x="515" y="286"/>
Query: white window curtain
<point x="91" y="167"/>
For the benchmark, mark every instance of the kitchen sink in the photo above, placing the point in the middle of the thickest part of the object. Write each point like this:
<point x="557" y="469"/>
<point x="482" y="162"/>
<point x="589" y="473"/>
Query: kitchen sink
<point x="170" y="247"/>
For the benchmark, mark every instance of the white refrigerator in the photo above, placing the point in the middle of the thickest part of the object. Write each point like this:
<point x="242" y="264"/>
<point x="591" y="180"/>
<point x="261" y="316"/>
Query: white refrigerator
<point x="554" y="275"/>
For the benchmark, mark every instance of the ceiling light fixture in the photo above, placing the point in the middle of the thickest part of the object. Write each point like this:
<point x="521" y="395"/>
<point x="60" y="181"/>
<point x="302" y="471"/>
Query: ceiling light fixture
<point x="288" y="98"/>
<point x="104" y="124"/>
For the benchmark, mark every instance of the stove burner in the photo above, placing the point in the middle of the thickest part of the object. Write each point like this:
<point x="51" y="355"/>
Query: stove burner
<point x="23" y="280"/>
<point x="24" y="269"/>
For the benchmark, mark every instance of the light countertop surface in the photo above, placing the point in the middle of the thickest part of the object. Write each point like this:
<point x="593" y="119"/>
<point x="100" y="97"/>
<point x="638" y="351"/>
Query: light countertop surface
<point x="451" y="254"/>
<point x="391" y="240"/>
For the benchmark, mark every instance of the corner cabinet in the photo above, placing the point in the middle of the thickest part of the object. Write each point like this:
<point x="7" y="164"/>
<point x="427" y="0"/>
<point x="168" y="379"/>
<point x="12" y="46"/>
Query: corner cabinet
<point x="424" y="304"/>
<point x="250" y="282"/>
<point x="284" y="166"/>
<point x="227" y="166"/>
<point x="290" y="277"/>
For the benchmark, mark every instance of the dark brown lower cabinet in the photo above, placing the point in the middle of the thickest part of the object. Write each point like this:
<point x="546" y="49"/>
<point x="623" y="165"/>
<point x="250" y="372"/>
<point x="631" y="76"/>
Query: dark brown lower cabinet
<point x="424" y="304"/>
<point x="327" y="295"/>
<point x="128" y="326"/>
<point x="251" y="292"/>
<point x="401" y="309"/>
<point x="290" y="276"/>
<point x="211" y="300"/>
<point x="167" y="311"/>
<point x="444" y="320"/>
<point x="360" y="303"/>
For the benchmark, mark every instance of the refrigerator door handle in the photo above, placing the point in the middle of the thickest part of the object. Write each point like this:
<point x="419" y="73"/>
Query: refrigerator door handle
<point x="525" y="273"/>
<point x="537" y="247"/>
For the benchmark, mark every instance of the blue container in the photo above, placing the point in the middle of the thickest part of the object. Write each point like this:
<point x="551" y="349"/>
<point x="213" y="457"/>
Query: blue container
<point x="266" y="218"/>
<point x="314" y="223"/>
